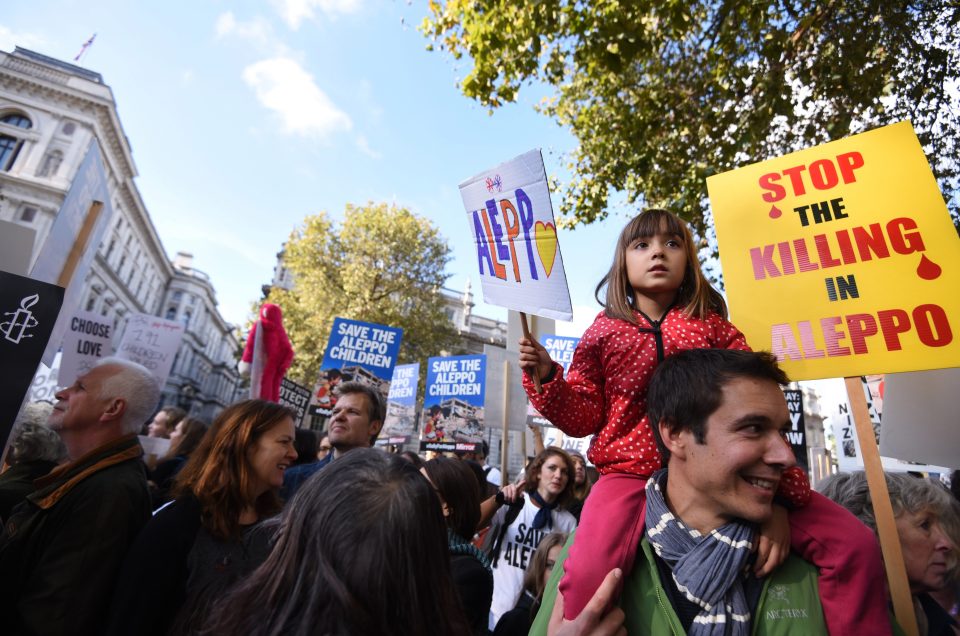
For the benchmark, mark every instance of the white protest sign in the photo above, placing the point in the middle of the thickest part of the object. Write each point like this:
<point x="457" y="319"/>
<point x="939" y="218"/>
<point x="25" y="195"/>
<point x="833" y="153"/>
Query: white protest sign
<point x="849" y="455"/>
<point x="73" y="240"/>
<point x="88" y="338"/>
<point x="920" y="421"/>
<point x="152" y="342"/>
<point x="44" y="385"/>
<point x="515" y="238"/>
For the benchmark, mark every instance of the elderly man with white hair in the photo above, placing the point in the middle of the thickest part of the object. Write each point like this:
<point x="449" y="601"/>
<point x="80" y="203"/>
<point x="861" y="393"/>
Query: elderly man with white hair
<point x="61" y="549"/>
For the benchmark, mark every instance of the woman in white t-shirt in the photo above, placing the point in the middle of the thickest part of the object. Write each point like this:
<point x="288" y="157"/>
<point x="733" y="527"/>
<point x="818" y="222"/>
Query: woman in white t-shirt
<point x="516" y="529"/>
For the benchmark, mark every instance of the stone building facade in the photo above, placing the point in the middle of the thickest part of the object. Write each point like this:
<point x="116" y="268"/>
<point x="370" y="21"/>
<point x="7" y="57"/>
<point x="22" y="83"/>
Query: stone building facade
<point x="50" y="111"/>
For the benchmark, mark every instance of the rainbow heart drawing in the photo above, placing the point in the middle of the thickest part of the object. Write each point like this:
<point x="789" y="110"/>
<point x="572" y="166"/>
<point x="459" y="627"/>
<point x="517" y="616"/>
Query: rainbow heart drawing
<point x="545" y="234"/>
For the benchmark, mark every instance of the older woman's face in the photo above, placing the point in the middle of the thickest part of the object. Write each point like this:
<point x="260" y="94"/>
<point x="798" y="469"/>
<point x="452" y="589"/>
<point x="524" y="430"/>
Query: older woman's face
<point x="925" y="550"/>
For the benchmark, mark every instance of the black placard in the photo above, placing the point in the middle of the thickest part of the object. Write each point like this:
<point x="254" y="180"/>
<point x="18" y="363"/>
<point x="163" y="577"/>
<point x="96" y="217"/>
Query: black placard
<point x="797" y="435"/>
<point x="296" y="396"/>
<point x="28" y="312"/>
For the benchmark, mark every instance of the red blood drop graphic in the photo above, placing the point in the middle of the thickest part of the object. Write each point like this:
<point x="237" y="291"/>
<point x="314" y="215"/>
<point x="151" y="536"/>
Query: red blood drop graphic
<point x="775" y="212"/>
<point x="927" y="269"/>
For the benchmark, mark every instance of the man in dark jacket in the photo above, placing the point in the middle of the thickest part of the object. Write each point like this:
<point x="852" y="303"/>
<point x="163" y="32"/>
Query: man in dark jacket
<point x="61" y="549"/>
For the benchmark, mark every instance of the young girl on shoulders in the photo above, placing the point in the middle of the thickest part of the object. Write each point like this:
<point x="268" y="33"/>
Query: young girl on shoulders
<point x="658" y="302"/>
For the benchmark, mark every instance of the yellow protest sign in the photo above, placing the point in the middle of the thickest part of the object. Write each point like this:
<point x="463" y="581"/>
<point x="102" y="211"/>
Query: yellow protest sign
<point x="842" y="259"/>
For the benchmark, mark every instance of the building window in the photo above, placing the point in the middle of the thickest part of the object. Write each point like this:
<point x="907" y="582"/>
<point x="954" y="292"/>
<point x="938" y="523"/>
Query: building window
<point x="171" y="313"/>
<point x="9" y="145"/>
<point x="178" y="295"/>
<point x="28" y="213"/>
<point x="68" y="128"/>
<point x="91" y="302"/>
<point x="186" y="318"/>
<point x="51" y="163"/>
<point x="113" y="243"/>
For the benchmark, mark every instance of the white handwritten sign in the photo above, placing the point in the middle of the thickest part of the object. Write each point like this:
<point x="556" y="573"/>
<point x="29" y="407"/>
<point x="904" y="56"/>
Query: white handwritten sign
<point x="152" y="342"/>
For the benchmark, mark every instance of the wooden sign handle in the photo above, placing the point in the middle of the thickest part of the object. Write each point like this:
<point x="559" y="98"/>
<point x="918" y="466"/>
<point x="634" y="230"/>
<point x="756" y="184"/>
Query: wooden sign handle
<point x="882" y="510"/>
<point x="504" y="441"/>
<point x="526" y="334"/>
<point x="80" y="244"/>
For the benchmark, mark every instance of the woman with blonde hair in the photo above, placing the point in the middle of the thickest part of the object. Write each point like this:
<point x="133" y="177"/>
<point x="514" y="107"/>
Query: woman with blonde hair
<point x="210" y="536"/>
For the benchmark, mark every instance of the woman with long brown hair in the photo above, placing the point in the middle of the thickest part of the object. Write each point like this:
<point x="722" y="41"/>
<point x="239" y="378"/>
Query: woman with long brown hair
<point x="210" y="535"/>
<point x="361" y="549"/>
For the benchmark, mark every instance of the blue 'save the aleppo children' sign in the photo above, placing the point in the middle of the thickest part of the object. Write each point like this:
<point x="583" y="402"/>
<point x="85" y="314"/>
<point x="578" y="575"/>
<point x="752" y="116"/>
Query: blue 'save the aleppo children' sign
<point x="356" y="352"/>
<point x="453" y="404"/>
<point x="401" y="422"/>
<point x="561" y="349"/>
<point x="515" y="238"/>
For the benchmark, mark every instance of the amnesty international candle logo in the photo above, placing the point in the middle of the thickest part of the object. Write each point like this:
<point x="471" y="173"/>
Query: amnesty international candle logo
<point x="22" y="319"/>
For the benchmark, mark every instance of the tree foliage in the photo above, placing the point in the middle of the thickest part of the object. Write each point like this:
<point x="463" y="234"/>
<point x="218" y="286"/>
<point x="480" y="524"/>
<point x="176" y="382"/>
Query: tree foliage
<point x="383" y="264"/>
<point x="661" y="94"/>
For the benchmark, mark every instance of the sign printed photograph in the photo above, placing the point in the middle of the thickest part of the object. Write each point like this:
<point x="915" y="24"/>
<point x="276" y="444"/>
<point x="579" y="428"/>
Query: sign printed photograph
<point x="357" y="351"/>
<point x="453" y="404"/>
<point x="401" y="422"/>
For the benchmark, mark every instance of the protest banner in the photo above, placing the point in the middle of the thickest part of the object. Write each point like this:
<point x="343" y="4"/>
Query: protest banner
<point x="401" y="422"/>
<point x="152" y="342"/>
<point x="453" y="411"/>
<point x="357" y="351"/>
<point x="561" y="350"/>
<point x="28" y="313"/>
<point x="928" y="434"/>
<point x="89" y="337"/>
<point x="848" y="445"/>
<point x="797" y="435"/>
<point x="515" y="237"/>
<point x="296" y="396"/>
<point x="44" y="385"/>
<point x="853" y="240"/>
<point x="66" y="254"/>
<point x="16" y="247"/>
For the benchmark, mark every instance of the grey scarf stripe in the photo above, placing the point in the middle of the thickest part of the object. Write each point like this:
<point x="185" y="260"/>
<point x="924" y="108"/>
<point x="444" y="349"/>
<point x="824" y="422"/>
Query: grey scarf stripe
<point x="706" y="569"/>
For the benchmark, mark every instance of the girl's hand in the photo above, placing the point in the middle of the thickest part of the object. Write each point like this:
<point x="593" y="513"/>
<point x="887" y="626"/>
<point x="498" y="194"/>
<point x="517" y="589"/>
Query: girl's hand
<point x="534" y="359"/>
<point x="774" y="544"/>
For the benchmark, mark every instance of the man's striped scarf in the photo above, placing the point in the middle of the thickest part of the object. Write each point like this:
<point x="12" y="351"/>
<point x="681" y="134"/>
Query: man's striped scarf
<point x="706" y="569"/>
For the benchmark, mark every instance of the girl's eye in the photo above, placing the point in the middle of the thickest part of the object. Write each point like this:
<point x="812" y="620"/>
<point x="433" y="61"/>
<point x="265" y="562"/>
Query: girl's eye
<point x="673" y="243"/>
<point x="640" y="245"/>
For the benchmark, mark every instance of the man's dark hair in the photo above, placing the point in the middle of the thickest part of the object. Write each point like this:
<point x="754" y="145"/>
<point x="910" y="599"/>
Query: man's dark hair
<point x="377" y="407"/>
<point x="687" y="387"/>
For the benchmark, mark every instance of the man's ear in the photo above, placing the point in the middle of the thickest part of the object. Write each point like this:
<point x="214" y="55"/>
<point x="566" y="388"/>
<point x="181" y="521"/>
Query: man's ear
<point x="375" y="427"/>
<point x="674" y="437"/>
<point x="115" y="410"/>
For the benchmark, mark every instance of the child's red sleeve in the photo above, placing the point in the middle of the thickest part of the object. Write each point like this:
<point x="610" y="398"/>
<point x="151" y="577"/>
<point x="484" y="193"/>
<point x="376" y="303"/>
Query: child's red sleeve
<point x="795" y="487"/>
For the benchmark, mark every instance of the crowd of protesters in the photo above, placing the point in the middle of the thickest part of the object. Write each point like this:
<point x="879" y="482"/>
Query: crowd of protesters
<point x="250" y="525"/>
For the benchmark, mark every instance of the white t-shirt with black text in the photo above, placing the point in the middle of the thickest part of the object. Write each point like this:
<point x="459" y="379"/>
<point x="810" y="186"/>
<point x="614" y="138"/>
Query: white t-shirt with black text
<point x="519" y="544"/>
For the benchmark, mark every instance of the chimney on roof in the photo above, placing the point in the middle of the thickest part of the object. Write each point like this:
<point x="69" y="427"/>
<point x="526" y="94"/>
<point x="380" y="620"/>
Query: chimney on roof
<point x="183" y="260"/>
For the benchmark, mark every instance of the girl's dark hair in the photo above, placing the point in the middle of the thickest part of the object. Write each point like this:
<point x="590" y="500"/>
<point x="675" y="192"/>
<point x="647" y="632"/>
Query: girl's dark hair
<point x="459" y="489"/>
<point x="218" y="472"/>
<point x="361" y="549"/>
<point x="193" y="432"/>
<point x="696" y="296"/>
<point x="533" y="577"/>
<point x="533" y="472"/>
